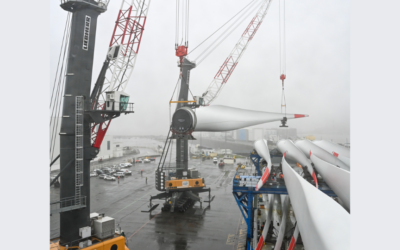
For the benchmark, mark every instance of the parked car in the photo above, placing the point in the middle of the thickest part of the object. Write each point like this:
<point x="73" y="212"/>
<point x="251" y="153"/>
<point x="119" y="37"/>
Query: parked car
<point x="98" y="171"/>
<point x="119" y="174"/>
<point x="115" y="168"/>
<point x="102" y="176"/>
<point x="126" y="164"/>
<point x="139" y="161"/>
<point x="126" y="171"/>
<point x="109" y="178"/>
<point x="152" y="159"/>
<point x="123" y="165"/>
<point x="109" y="170"/>
<point x="215" y="160"/>
<point x="146" y="161"/>
<point x="106" y="170"/>
<point x="93" y="174"/>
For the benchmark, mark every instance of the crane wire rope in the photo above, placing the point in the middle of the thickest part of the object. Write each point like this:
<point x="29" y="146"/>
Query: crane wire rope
<point x="221" y="27"/>
<point x="59" y="57"/>
<point x="176" y="24"/>
<point x="282" y="51"/>
<point x="182" y="29"/>
<point x="244" y="16"/>
<point x="176" y="85"/>
<point x="56" y="102"/>
<point x="55" y="126"/>
<point x="187" y="25"/>
<point x="52" y="103"/>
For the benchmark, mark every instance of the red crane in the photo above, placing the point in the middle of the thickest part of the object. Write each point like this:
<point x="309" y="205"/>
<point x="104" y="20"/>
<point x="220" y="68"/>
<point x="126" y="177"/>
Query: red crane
<point x="119" y="64"/>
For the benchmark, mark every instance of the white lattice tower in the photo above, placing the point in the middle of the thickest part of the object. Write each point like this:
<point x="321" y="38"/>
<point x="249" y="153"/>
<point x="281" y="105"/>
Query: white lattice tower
<point x="127" y="34"/>
<point x="230" y="63"/>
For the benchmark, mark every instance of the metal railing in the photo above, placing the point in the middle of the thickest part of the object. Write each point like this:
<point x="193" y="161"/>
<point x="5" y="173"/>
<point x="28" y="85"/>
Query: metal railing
<point x="119" y="106"/>
<point x="67" y="204"/>
<point x="97" y="3"/>
<point x="116" y="106"/>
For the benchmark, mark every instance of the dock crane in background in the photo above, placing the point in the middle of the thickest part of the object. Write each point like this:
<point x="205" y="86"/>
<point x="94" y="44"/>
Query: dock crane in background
<point x="183" y="189"/>
<point x="119" y="63"/>
<point x="86" y="116"/>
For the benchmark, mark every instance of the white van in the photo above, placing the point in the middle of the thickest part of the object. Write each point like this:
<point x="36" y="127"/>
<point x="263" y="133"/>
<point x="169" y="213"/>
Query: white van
<point x="119" y="174"/>
<point x="215" y="160"/>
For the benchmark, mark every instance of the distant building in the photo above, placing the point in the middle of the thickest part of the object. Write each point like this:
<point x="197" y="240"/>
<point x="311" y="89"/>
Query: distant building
<point x="287" y="133"/>
<point x="242" y="134"/>
<point x="224" y="151"/>
<point x="109" y="148"/>
<point x="273" y="134"/>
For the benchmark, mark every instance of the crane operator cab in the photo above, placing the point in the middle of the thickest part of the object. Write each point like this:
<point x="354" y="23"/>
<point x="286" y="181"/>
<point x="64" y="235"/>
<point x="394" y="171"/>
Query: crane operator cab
<point x="116" y="101"/>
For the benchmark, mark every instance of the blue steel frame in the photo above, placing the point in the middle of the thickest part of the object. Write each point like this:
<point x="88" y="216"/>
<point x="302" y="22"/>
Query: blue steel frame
<point x="245" y="203"/>
<point x="255" y="158"/>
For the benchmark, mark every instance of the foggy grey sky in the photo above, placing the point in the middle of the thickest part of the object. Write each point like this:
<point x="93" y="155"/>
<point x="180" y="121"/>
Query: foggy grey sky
<point x="317" y="55"/>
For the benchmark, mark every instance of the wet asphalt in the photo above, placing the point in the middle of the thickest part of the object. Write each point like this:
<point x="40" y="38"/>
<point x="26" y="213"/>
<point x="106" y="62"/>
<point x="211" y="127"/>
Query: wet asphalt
<point x="220" y="226"/>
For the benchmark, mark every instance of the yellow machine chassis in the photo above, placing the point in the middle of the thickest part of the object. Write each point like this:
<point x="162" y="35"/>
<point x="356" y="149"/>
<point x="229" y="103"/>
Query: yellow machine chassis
<point x="102" y="245"/>
<point x="184" y="183"/>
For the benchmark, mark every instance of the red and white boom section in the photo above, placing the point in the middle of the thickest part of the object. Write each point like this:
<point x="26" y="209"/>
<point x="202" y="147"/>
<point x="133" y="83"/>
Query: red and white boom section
<point x="230" y="63"/>
<point x="120" y="61"/>
<point x="127" y="35"/>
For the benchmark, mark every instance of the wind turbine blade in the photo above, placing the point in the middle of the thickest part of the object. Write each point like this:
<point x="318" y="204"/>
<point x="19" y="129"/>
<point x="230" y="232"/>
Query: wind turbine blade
<point x="306" y="146"/>
<point x="294" y="238"/>
<point x="267" y="222"/>
<point x="323" y="223"/>
<point x="292" y="152"/>
<point x="338" y="179"/>
<point x="219" y="118"/>
<point x="344" y="159"/>
<point x="282" y="227"/>
<point x="277" y="214"/>
<point x="261" y="147"/>
<point x="333" y="148"/>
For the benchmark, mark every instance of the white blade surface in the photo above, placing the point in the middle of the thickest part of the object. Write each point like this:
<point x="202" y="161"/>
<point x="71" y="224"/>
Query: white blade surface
<point x="222" y="118"/>
<point x="307" y="147"/>
<point x="267" y="222"/>
<point x="338" y="179"/>
<point x="333" y="148"/>
<point x="277" y="211"/>
<point x="294" y="153"/>
<point x="282" y="227"/>
<point x="344" y="159"/>
<point x="323" y="224"/>
<point x="261" y="147"/>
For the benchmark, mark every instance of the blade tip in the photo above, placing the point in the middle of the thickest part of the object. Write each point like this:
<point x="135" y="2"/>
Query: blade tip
<point x="300" y="116"/>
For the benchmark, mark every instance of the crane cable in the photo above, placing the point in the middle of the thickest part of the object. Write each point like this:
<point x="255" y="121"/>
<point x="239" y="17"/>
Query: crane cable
<point x="235" y="24"/>
<point x="240" y="20"/>
<point x="282" y="50"/>
<point x="182" y="23"/>
<point x="221" y="27"/>
<point x="59" y="57"/>
<point x="55" y="104"/>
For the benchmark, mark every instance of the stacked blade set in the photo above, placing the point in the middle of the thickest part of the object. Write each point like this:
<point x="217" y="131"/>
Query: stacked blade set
<point x="292" y="200"/>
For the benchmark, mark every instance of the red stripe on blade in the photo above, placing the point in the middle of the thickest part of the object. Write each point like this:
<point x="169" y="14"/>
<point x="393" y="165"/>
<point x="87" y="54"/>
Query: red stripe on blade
<point x="298" y="116"/>
<point x="263" y="179"/>
<point x="335" y="154"/>
<point x="315" y="178"/>
<point x="292" y="243"/>
<point x="260" y="243"/>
